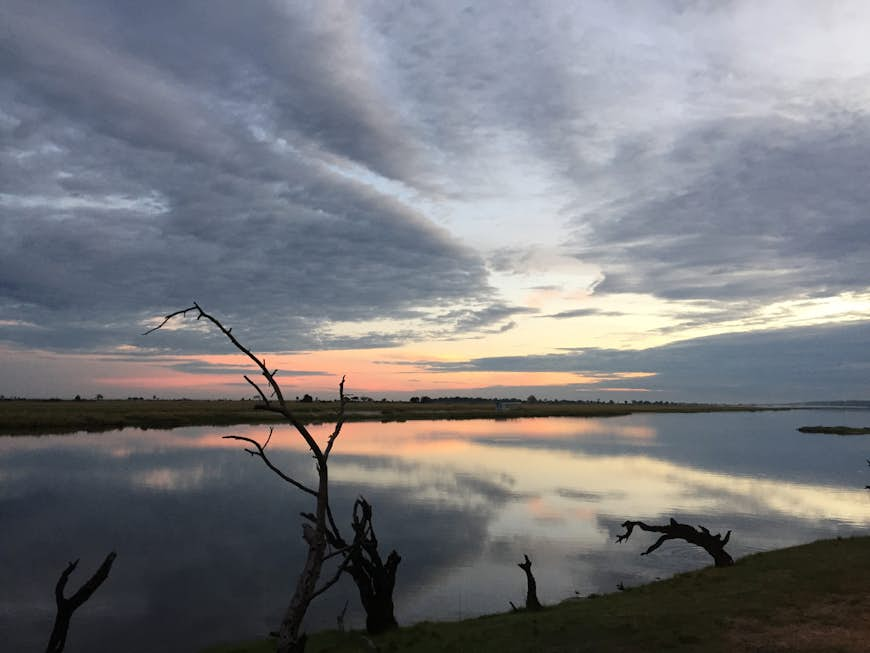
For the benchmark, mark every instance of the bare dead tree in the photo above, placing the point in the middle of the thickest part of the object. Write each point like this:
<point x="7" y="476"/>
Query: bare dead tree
<point x="712" y="544"/>
<point x="66" y="606"/>
<point x="321" y="522"/>
<point x="532" y="602"/>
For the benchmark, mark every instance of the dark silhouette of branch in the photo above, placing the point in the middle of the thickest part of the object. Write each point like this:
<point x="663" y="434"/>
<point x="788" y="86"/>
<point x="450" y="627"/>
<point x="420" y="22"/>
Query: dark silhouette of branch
<point x="340" y="618"/>
<point x="712" y="544"/>
<point x="66" y="606"/>
<point x="280" y="405"/>
<point x="532" y="602"/>
<point x="334" y="579"/>
<point x="374" y="577"/>
<point x="259" y="451"/>
<point x="258" y="389"/>
<point x="339" y="422"/>
<point x="322" y="531"/>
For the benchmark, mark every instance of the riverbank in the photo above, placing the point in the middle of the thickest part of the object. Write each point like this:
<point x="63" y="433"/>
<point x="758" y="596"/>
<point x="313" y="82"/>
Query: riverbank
<point x="33" y="417"/>
<point x="809" y="598"/>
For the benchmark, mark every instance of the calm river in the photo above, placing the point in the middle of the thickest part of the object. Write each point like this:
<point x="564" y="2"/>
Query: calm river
<point x="208" y="539"/>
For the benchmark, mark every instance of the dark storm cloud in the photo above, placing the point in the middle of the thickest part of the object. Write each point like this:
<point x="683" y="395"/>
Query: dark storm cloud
<point x="818" y="362"/>
<point x="153" y="158"/>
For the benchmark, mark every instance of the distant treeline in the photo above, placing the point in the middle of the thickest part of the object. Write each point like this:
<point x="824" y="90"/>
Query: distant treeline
<point x="414" y="400"/>
<point x="533" y="399"/>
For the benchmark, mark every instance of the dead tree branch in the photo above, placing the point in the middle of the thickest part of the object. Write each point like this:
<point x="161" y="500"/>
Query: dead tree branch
<point x="322" y="529"/>
<point x="712" y="544"/>
<point x="66" y="606"/>
<point x="259" y="451"/>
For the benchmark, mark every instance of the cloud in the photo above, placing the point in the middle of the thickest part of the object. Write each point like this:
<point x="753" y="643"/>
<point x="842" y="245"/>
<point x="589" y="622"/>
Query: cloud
<point x="473" y="320"/>
<point x="776" y="212"/>
<point x="202" y="367"/>
<point x="581" y="312"/>
<point x="293" y="167"/>
<point x="794" y="364"/>
<point x="134" y="181"/>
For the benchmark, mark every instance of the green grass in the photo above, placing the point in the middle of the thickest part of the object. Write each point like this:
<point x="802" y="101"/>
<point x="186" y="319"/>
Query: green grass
<point x="836" y="430"/>
<point x="814" y="597"/>
<point x="28" y="417"/>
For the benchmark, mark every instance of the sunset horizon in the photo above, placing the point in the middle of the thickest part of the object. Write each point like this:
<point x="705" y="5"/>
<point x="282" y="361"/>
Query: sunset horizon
<point x="657" y="202"/>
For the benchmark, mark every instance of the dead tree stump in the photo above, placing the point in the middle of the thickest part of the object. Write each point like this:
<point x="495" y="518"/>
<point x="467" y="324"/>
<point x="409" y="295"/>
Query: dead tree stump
<point x="66" y="606"/>
<point x="375" y="578"/>
<point x="532" y="602"/>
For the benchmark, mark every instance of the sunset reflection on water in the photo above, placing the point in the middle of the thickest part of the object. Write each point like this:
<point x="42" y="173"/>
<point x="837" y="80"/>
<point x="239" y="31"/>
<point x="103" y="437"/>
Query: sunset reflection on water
<point x="461" y="500"/>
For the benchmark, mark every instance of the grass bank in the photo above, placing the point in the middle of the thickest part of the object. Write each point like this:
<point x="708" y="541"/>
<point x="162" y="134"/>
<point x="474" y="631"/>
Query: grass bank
<point x="29" y="417"/>
<point x="814" y="597"/>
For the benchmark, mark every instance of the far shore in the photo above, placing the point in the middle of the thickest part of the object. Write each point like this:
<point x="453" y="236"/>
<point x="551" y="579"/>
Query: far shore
<point x="836" y="430"/>
<point x="39" y="416"/>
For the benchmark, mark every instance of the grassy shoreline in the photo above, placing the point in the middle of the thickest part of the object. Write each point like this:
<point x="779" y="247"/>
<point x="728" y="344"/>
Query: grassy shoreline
<point x="35" y="417"/>
<point x="812" y="597"/>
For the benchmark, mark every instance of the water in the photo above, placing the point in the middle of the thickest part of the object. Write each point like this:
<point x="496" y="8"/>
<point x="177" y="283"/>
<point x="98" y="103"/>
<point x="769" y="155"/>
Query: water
<point x="208" y="539"/>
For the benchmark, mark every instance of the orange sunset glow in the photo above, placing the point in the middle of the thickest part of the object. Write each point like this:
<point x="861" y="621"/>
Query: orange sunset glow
<point x="369" y="372"/>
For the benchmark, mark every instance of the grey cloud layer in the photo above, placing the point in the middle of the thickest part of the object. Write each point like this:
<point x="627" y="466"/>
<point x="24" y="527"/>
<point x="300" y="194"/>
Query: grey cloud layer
<point x="779" y="212"/>
<point x="241" y="154"/>
<point x="135" y="179"/>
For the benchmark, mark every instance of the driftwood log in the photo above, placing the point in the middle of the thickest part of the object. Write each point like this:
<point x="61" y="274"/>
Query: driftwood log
<point x="712" y="544"/>
<point x="67" y="605"/>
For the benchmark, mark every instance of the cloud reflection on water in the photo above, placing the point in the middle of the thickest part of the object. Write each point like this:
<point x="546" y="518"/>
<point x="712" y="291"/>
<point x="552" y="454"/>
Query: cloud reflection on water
<point x="208" y="539"/>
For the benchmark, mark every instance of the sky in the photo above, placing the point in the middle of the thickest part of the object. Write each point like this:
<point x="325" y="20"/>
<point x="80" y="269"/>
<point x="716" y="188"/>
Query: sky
<point x="665" y="200"/>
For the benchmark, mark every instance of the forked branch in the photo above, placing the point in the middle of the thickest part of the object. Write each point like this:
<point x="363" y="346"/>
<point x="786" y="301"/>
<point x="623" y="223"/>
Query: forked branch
<point x="279" y="405"/>
<point x="260" y="451"/>
<point x="67" y="605"/>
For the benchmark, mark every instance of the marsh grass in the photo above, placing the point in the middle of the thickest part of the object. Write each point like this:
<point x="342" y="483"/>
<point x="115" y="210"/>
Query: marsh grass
<point x="30" y="417"/>
<point x="814" y="597"/>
